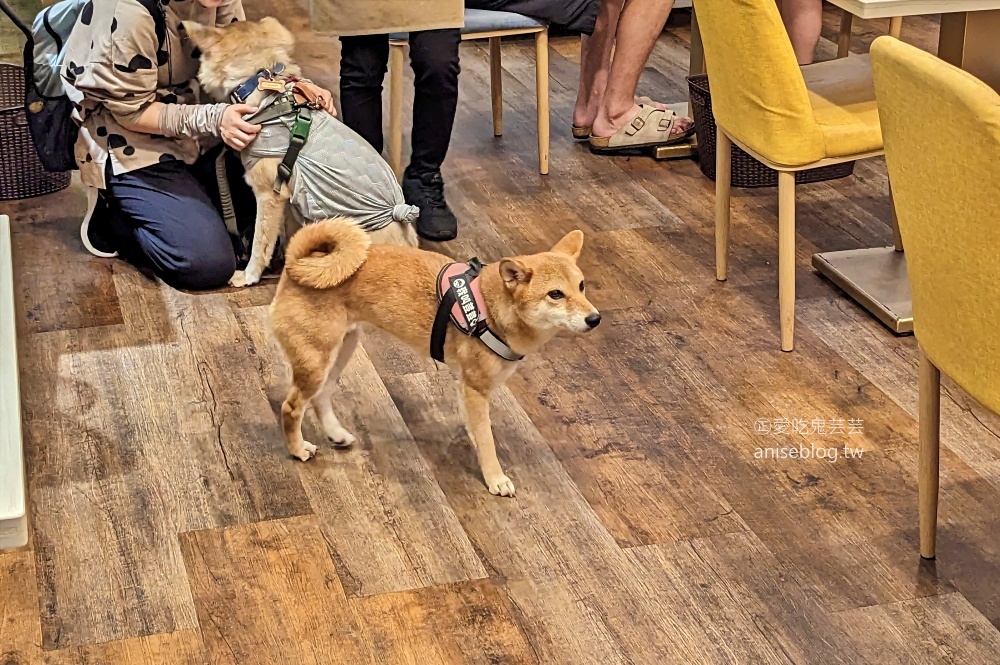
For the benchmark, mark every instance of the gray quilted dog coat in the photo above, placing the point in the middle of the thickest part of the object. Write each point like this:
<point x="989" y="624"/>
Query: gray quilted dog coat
<point x="337" y="174"/>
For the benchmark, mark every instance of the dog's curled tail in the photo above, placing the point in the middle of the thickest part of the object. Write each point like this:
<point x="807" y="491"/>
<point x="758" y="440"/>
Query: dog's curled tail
<point x="327" y="253"/>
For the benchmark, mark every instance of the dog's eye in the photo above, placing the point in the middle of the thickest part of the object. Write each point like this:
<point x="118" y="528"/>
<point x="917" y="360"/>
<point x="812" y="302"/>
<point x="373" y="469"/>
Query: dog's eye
<point x="582" y="287"/>
<point x="556" y="294"/>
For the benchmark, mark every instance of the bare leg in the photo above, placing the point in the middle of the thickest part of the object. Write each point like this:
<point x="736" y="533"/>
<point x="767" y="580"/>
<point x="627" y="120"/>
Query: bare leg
<point x="640" y="24"/>
<point x="323" y="401"/>
<point x="477" y="422"/>
<point x="804" y="22"/>
<point x="595" y="63"/>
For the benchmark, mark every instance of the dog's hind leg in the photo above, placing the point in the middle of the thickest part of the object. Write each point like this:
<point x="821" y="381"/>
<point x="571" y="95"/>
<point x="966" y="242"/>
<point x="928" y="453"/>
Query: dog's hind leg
<point x="323" y="401"/>
<point x="477" y="422"/>
<point x="310" y="369"/>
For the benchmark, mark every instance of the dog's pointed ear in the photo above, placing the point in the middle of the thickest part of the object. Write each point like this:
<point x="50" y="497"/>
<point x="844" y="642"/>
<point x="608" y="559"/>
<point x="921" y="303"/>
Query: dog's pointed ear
<point x="203" y="36"/>
<point x="571" y="245"/>
<point x="514" y="272"/>
<point x="277" y="32"/>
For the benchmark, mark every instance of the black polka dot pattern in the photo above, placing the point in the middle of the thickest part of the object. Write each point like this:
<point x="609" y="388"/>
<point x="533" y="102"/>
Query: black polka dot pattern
<point x="89" y="158"/>
<point x="167" y="157"/>
<point x="114" y="24"/>
<point x="116" y="141"/>
<point x="162" y="57"/>
<point x="87" y="15"/>
<point x="102" y="131"/>
<point x="169" y="99"/>
<point x="129" y="150"/>
<point x="137" y="63"/>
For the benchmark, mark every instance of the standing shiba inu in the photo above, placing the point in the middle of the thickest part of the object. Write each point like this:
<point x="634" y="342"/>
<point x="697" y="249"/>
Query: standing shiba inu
<point x="335" y="279"/>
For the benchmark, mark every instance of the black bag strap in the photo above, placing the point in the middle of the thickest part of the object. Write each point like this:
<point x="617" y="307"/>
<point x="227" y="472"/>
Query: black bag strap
<point x="15" y="19"/>
<point x="159" y="15"/>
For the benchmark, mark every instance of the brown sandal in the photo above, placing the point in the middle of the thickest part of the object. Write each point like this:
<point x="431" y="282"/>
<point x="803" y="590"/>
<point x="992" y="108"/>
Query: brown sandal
<point x="584" y="133"/>
<point x="653" y="127"/>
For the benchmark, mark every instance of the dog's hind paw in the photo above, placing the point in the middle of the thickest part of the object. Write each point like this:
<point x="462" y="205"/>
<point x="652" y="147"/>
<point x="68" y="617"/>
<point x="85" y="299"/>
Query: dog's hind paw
<point x="241" y="278"/>
<point x="341" y="438"/>
<point x="307" y="453"/>
<point x="501" y="486"/>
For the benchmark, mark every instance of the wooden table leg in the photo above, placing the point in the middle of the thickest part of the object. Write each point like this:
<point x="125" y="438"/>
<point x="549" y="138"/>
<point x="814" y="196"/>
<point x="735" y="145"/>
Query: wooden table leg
<point x="969" y="40"/>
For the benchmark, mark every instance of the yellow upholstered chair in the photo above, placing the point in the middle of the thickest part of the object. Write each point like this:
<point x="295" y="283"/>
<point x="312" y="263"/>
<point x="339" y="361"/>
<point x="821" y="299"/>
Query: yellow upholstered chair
<point x="944" y="182"/>
<point x="790" y="119"/>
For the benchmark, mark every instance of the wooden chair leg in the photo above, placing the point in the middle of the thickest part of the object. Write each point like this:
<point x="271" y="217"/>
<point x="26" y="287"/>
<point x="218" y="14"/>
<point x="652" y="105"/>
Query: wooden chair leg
<point x="496" y="85"/>
<point x="542" y="94"/>
<point x="930" y="449"/>
<point x="844" y="40"/>
<point x="895" y="26"/>
<point x="396" y="57"/>
<point x="723" y="209"/>
<point x="786" y="258"/>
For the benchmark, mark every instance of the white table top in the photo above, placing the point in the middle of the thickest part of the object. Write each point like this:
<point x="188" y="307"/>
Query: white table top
<point x="889" y="8"/>
<point x="12" y="504"/>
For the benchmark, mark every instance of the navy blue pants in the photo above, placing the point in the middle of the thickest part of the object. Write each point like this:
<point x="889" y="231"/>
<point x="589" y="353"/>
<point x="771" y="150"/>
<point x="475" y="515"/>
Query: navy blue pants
<point x="164" y="219"/>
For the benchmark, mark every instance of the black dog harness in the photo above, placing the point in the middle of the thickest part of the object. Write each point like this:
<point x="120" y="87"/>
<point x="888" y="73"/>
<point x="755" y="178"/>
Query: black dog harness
<point x="289" y="98"/>
<point x="460" y="299"/>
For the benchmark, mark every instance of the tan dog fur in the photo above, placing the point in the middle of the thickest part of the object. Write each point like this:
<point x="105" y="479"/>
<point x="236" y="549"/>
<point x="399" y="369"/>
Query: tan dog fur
<point x="229" y="56"/>
<point x="335" y="279"/>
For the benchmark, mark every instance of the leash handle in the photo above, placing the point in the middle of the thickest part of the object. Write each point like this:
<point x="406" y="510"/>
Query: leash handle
<point x="15" y="19"/>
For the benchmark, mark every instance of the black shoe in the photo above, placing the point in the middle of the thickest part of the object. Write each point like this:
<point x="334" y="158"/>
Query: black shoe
<point x="436" y="222"/>
<point x="95" y="232"/>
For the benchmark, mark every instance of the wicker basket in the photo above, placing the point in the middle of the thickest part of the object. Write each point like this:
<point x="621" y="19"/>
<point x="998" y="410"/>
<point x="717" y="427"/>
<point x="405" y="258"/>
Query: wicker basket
<point x="747" y="171"/>
<point x="21" y="174"/>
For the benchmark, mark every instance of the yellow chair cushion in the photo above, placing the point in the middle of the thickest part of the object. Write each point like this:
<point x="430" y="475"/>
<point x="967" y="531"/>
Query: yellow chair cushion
<point x="944" y="183"/>
<point x="843" y="101"/>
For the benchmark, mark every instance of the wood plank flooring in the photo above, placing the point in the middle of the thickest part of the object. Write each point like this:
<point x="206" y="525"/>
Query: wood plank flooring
<point x="168" y="524"/>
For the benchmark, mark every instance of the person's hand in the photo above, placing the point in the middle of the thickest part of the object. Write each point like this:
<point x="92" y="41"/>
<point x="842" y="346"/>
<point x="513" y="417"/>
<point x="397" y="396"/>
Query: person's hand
<point x="236" y="132"/>
<point x="324" y="98"/>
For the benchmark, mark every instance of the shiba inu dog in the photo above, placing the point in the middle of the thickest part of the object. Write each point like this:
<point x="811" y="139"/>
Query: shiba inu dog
<point x="235" y="59"/>
<point x="335" y="279"/>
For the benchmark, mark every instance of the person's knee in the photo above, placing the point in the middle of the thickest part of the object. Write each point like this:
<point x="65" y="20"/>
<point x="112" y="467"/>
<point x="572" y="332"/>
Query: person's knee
<point x="364" y="62"/>
<point x="436" y="64"/>
<point x="201" y="269"/>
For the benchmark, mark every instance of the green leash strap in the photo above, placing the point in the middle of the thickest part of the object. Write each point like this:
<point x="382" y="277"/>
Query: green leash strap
<point x="300" y="133"/>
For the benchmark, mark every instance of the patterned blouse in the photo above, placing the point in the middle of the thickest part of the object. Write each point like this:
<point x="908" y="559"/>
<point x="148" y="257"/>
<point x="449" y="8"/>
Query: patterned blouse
<point x="114" y="59"/>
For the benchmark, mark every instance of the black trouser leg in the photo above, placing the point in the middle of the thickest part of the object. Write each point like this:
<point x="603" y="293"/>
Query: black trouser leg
<point x="363" y="64"/>
<point x="434" y="57"/>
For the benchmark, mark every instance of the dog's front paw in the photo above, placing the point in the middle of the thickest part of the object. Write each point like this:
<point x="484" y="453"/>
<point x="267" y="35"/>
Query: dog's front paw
<point x="500" y="486"/>
<point x="341" y="438"/>
<point x="242" y="278"/>
<point x="306" y="453"/>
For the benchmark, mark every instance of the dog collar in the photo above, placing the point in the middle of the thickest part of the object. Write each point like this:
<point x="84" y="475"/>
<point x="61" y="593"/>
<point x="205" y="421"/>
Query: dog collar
<point x="460" y="299"/>
<point x="248" y="87"/>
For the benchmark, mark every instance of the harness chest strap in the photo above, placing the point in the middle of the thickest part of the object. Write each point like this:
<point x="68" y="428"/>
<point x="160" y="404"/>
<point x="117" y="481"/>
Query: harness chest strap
<point x="460" y="299"/>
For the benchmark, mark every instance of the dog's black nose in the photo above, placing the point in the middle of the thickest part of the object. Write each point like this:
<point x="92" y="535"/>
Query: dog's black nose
<point x="593" y="320"/>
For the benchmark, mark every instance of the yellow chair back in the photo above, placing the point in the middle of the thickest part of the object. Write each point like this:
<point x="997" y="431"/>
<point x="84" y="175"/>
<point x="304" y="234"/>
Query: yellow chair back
<point x="758" y="94"/>
<point x="942" y="142"/>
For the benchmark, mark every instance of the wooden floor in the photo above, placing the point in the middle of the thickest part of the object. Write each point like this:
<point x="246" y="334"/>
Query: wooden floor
<point x="170" y="526"/>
